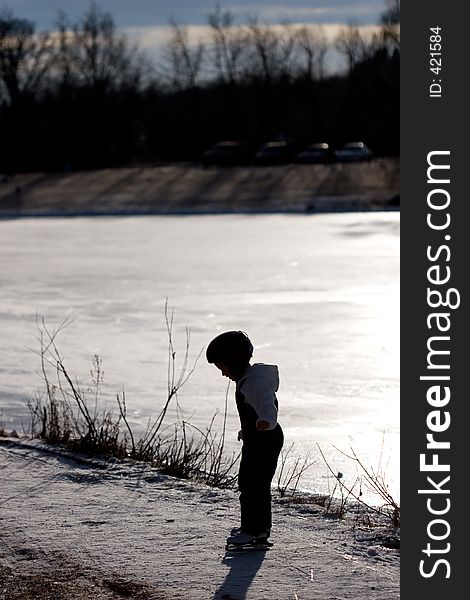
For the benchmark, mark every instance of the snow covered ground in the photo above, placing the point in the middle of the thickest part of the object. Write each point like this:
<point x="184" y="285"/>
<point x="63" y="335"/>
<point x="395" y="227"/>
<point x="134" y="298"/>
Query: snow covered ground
<point x="81" y="529"/>
<point x="189" y="189"/>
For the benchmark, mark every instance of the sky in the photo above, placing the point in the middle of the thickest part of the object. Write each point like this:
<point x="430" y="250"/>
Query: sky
<point x="146" y="22"/>
<point x="151" y="13"/>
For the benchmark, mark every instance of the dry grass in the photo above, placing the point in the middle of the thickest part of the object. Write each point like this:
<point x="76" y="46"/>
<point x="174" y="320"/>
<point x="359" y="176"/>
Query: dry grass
<point x="345" y="494"/>
<point x="69" y="415"/>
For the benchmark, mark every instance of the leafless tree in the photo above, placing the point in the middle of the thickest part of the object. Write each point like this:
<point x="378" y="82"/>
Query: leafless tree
<point x="63" y="68"/>
<point x="313" y="46"/>
<point x="355" y="46"/>
<point x="287" y="47"/>
<point x="228" y="44"/>
<point x="263" y="45"/>
<point x="25" y="57"/>
<point x="390" y="21"/>
<point x="183" y="59"/>
<point x="280" y="52"/>
<point x="93" y="53"/>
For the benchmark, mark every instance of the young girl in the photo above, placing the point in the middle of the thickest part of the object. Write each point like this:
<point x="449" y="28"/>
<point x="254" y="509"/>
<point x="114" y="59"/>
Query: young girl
<point x="255" y="394"/>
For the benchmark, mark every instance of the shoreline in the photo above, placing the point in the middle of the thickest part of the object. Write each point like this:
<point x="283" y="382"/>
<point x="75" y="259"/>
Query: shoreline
<point x="343" y="207"/>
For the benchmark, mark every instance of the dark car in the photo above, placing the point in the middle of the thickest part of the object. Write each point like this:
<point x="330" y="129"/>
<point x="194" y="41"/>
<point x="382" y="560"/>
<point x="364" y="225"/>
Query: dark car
<point x="227" y="153"/>
<point x="274" y="153"/>
<point x="353" y="152"/>
<point x="315" y="153"/>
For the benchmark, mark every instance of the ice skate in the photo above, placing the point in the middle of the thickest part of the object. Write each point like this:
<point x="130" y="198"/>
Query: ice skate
<point x="236" y="530"/>
<point x="239" y="540"/>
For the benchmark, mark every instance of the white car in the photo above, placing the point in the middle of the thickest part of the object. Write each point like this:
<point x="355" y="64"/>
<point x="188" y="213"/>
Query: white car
<point x="353" y="152"/>
<point x="274" y="153"/>
<point x="315" y="153"/>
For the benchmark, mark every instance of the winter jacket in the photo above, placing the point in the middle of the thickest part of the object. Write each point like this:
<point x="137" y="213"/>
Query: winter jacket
<point x="258" y="386"/>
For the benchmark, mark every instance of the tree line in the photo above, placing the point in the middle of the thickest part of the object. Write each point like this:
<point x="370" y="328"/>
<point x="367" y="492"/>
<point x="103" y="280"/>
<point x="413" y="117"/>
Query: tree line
<point x="83" y="96"/>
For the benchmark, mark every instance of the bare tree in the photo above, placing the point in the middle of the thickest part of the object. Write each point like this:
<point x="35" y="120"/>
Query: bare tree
<point x="356" y="46"/>
<point x="390" y="21"/>
<point x="25" y="57"/>
<point x="93" y="53"/>
<point x="264" y="50"/>
<point x="183" y="60"/>
<point x="313" y="46"/>
<point x="228" y="43"/>
<point x="63" y="67"/>
<point x="287" y="47"/>
<point x="280" y="52"/>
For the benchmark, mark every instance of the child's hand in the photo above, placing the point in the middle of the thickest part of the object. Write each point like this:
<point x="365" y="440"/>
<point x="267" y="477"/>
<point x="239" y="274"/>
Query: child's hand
<point x="262" y="425"/>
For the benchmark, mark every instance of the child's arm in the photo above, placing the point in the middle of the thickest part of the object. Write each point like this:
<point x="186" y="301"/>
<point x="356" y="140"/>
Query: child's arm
<point x="262" y="398"/>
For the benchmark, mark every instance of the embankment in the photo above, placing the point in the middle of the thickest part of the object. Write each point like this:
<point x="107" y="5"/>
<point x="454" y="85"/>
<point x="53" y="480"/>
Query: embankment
<point x="189" y="189"/>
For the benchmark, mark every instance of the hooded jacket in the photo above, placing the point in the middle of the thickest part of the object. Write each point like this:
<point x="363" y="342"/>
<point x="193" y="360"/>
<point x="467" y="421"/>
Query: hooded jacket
<point x="258" y="386"/>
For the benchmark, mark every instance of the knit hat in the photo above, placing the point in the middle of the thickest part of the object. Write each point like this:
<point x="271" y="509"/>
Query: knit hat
<point x="232" y="348"/>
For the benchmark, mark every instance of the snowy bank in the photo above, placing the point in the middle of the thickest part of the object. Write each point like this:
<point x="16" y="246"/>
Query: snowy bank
<point x="89" y="528"/>
<point x="189" y="189"/>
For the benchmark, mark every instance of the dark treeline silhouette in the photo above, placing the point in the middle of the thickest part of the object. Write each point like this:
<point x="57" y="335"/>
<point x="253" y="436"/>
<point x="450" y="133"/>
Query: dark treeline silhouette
<point x="81" y="96"/>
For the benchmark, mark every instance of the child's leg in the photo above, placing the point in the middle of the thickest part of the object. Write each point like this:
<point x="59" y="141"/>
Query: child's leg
<point x="257" y="467"/>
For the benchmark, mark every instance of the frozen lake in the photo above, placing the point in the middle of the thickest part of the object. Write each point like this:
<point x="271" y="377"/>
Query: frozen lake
<point x="317" y="294"/>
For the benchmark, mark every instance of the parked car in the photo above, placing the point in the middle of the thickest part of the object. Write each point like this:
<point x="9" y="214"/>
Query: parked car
<point x="274" y="153"/>
<point x="315" y="153"/>
<point x="226" y="153"/>
<point x="353" y="152"/>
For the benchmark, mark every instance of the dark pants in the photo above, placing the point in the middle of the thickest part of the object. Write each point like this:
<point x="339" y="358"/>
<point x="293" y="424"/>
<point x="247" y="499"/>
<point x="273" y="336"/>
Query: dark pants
<point x="258" y="464"/>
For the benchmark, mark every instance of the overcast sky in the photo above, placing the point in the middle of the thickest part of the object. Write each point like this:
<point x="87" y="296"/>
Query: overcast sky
<point x="150" y="13"/>
<point x="146" y="22"/>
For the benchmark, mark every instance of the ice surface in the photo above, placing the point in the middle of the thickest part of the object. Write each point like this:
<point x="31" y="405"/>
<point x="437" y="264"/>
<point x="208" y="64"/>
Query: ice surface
<point x="318" y="295"/>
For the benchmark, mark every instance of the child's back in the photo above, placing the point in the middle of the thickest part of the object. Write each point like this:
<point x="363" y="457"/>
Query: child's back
<point x="256" y="398"/>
